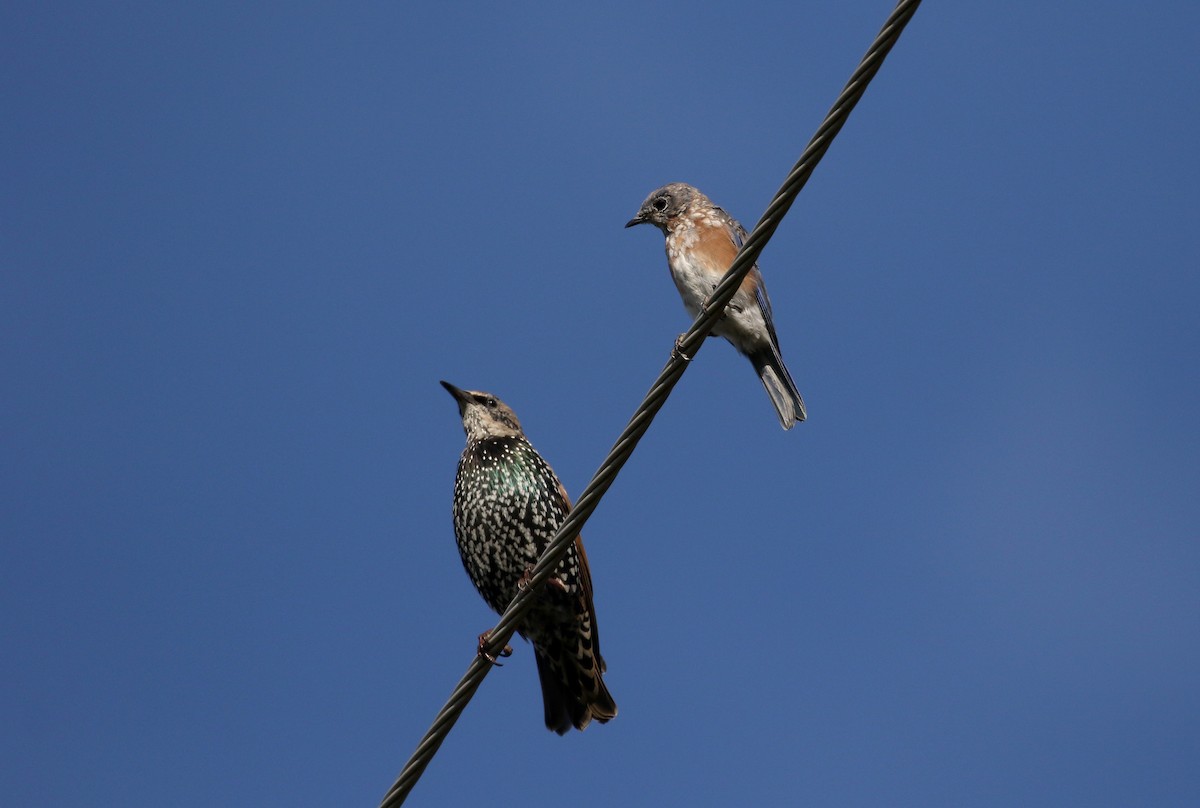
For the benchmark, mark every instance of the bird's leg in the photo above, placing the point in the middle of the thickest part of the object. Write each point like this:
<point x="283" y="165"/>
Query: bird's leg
<point x="484" y="640"/>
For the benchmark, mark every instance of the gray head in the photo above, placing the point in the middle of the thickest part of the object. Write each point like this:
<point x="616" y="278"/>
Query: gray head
<point x="665" y="203"/>
<point x="484" y="415"/>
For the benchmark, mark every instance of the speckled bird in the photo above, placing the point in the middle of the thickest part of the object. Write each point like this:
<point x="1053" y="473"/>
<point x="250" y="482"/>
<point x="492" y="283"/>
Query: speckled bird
<point x="702" y="241"/>
<point x="508" y="504"/>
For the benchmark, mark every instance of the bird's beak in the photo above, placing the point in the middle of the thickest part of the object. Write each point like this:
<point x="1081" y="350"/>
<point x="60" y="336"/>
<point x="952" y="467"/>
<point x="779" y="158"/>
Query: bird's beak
<point x="639" y="219"/>
<point x="460" y="395"/>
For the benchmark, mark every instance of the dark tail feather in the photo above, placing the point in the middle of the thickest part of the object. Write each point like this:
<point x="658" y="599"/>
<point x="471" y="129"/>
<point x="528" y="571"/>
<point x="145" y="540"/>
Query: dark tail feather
<point x="573" y="691"/>
<point x="780" y="387"/>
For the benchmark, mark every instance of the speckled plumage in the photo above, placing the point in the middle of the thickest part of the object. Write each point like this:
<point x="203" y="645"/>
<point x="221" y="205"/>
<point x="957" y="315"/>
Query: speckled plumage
<point x="508" y="504"/>
<point x="702" y="240"/>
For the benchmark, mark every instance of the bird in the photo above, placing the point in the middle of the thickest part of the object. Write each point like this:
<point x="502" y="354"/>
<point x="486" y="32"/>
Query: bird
<point x="702" y="241"/>
<point x="508" y="504"/>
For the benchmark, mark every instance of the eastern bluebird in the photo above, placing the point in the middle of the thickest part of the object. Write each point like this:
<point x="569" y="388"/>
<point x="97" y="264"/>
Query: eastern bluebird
<point x="702" y="241"/>
<point x="508" y="504"/>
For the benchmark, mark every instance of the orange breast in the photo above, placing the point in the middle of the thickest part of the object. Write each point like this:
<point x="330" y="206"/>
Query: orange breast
<point x="716" y="249"/>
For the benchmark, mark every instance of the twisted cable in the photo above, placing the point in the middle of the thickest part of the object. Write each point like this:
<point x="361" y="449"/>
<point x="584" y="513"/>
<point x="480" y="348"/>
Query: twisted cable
<point x="685" y="349"/>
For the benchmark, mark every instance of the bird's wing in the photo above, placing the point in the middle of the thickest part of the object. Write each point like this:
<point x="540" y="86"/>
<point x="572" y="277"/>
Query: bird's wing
<point x="585" y="572"/>
<point x="753" y="284"/>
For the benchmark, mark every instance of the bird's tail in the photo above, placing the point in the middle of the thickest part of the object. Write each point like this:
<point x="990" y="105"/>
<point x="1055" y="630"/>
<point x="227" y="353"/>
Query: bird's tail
<point x="573" y="691"/>
<point x="780" y="387"/>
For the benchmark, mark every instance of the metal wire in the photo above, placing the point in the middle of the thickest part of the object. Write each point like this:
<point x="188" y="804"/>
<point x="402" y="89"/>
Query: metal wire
<point x="686" y="348"/>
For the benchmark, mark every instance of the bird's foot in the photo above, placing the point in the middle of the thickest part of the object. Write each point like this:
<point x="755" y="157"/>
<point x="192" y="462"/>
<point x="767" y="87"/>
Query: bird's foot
<point x="677" y="350"/>
<point x="702" y="311"/>
<point x="485" y="640"/>
<point x="553" y="581"/>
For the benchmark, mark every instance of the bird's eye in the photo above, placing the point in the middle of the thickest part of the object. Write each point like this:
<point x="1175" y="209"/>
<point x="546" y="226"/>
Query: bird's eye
<point x="659" y="204"/>
<point x="490" y="403"/>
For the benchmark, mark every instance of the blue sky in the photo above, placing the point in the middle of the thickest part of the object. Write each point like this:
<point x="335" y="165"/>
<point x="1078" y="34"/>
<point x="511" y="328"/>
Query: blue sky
<point x="242" y="245"/>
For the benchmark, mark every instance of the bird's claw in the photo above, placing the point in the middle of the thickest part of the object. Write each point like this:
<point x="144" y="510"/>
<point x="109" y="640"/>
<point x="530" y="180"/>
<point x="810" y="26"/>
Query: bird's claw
<point x="677" y="351"/>
<point x="553" y="581"/>
<point x="485" y="639"/>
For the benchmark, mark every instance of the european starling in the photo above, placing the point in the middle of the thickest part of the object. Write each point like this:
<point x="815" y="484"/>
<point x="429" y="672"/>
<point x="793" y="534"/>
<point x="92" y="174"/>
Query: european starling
<point x="508" y="504"/>
<point x="702" y="241"/>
